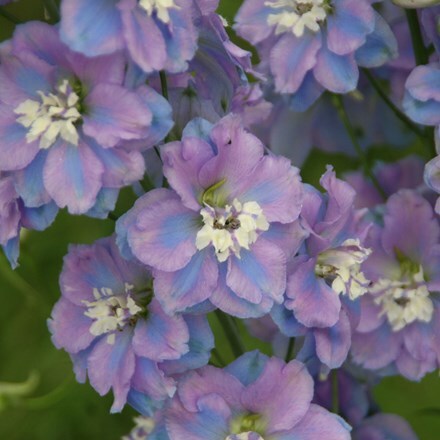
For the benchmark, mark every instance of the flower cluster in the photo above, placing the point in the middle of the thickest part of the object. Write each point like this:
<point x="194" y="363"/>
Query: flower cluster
<point x="341" y="279"/>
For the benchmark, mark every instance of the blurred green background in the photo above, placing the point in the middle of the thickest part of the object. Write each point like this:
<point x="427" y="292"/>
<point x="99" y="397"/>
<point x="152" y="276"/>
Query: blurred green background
<point x="39" y="398"/>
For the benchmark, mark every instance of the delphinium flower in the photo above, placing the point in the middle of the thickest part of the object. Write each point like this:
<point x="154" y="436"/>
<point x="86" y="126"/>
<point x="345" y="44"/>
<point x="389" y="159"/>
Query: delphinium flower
<point x="215" y="83"/>
<point x="422" y="104"/>
<point x="14" y="216"/>
<point x="295" y="133"/>
<point x="224" y="230"/>
<point x="406" y="173"/>
<point x="422" y="96"/>
<point x="312" y="45"/>
<point x="254" y="398"/>
<point x="396" y="71"/>
<point x="326" y="279"/>
<point x="158" y="34"/>
<point x="429" y="18"/>
<point x="357" y="407"/>
<point x="116" y="332"/>
<point x="399" y="325"/>
<point x="384" y="426"/>
<point x="67" y="122"/>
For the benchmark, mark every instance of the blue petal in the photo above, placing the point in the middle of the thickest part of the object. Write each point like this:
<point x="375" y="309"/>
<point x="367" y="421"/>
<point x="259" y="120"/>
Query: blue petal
<point x="39" y="218"/>
<point x="12" y="251"/>
<point x="380" y="47"/>
<point x="29" y="182"/>
<point x="91" y="27"/>
<point x="247" y="368"/>
<point x="105" y="203"/>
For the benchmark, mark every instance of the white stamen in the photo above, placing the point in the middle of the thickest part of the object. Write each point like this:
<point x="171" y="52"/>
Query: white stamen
<point x="144" y="426"/>
<point x="244" y="436"/>
<point x="297" y="15"/>
<point x="236" y="226"/>
<point x="160" y="6"/>
<point x="404" y="302"/>
<point x="110" y="312"/>
<point x="53" y="116"/>
<point x="342" y="266"/>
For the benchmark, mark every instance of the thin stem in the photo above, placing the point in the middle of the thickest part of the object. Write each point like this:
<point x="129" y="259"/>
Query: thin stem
<point x="112" y="216"/>
<point x="290" y="349"/>
<point x="156" y="149"/>
<point x="49" y="399"/>
<point x="399" y="114"/>
<point x="163" y="84"/>
<point x="231" y="333"/>
<point x="16" y="281"/>
<point x="52" y="10"/>
<point x="335" y="391"/>
<point x="11" y="17"/>
<point x="421" y="53"/>
<point x="218" y="357"/>
<point x="342" y="112"/>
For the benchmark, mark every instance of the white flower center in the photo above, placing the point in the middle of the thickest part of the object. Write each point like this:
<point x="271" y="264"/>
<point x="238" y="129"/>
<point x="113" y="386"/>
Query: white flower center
<point x="144" y="426"/>
<point x="161" y="8"/>
<point x="245" y="436"/>
<point x="405" y="301"/>
<point x="53" y="116"/>
<point x="341" y="267"/>
<point x="231" y="228"/>
<point x="297" y="15"/>
<point x="111" y="312"/>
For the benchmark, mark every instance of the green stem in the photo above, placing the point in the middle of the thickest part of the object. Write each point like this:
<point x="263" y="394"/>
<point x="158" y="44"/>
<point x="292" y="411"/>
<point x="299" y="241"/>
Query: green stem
<point x="399" y="114"/>
<point x="421" y="53"/>
<point x="290" y="349"/>
<point x="335" y="391"/>
<point x="163" y="84"/>
<point x="218" y="357"/>
<point x="343" y="115"/>
<point x="52" y="10"/>
<point x="49" y="399"/>
<point x="112" y="216"/>
<point x="231" y="333"/>
<point x="11" y="17"/>
<point x="17" y="282"/>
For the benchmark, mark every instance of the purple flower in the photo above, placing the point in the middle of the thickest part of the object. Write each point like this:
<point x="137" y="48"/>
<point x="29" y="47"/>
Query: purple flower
<point x="384" y="426"/>
<point x="254" y="398"/>
<point x="215" y="83"/>
<point x="422" y="97"/>
<point x="422" y="104"/>
<point x="400" y="316"/>
<point x="224" y="230"/>
<point x="430" y="18"/>
<point x="115" y="330"/>
<point x="68" y="123"/>
<point x="358" y="408"/>
<point x="14" y="215"/>
<point x="312" y="45"/>
<point x="158" y="34"/>
<point x="354" y="399"/>
<point x="404" y="173"/>
<point x="326" y="279"/>
<point x="320" y="126"/>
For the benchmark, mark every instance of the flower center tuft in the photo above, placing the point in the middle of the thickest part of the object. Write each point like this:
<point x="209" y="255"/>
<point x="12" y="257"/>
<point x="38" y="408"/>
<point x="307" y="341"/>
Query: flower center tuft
<point x="53" y="116"/>
<point x="404" y="301"/>
<point x="297" y="15"/>
<point x="247" y="427"/>
<point x="232" y="228"/>
<point x="341" y="268"/>
<point x="161" y="8"/>
<point x="111" y="312"/>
